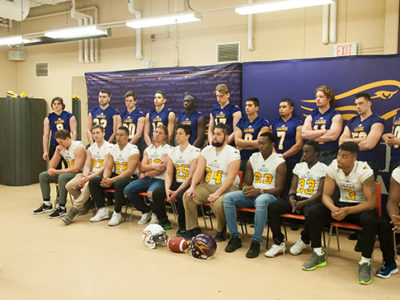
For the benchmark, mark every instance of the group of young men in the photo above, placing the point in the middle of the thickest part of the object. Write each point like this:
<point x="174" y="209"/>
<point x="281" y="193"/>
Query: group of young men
<point x="288" y="167"/>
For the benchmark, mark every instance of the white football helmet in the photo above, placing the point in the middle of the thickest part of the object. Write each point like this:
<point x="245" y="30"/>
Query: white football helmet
<point x="154" y="235"/>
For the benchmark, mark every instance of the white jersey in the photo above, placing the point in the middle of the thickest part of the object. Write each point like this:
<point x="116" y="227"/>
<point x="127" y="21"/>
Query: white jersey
<point x="217" y="165"/>
<point x="264" y="171"/>
<point x="69" y="154"/>
<point x="396" y="174"/>
<point x="121" y="157"/>
<point x="309" y="179"/>
<point x="99" y="154"/>
<point x="351" y="186"/>
<point x="183" y="160"/>
<point x="155" y="155"/>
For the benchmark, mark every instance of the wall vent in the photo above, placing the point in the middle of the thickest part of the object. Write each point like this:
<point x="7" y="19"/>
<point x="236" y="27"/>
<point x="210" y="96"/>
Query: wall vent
<point x="228" y="52"/>
<point x="42" y="70"/>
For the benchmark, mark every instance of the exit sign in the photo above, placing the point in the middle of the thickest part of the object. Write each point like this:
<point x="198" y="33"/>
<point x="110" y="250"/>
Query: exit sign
<point x="345" y="49"/>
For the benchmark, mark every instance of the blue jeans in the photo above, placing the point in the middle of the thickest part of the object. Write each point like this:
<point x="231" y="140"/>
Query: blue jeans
<point x="237" y="199"/>
<point x="147" y="184"/>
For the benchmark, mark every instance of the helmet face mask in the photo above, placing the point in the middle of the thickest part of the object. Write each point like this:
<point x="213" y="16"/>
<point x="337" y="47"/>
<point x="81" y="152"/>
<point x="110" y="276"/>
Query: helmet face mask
<point x="203" y="246"/>
<point x="154" y="235"/>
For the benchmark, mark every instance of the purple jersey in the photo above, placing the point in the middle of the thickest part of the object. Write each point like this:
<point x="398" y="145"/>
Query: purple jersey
<point x="224" y="115"/>
<point x="158" y="118"/>
<point x="324" y="121"/>
<point x="105" y="119"/>
<point x="129" y="120"/>
<point x="360" y="129"/>
<point x="190" y="120"/>
<point x="58" y="122"/>
<point x="250" y="131"/>
<point x="395" y="150"/>
<point x="285" y="137"/>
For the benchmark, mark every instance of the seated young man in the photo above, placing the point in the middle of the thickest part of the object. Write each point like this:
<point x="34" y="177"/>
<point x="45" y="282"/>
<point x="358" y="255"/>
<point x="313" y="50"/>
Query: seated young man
<point x="357" y="202"/>
<point x="389" y="223"/>
<point x="305" y="191"/>
<point x="74" y="154"/>
<point x="122" y="162"/>
<point x="182" y="160"/>
<point x="263" y="183"/>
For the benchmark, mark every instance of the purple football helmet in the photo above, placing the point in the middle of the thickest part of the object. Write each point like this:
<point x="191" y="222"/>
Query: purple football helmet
<point x="203" y="246"/>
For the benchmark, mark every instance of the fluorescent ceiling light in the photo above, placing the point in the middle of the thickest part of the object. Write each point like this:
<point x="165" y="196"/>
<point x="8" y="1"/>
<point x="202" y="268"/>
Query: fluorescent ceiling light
<point x="257" y="8"/>
<point x="76" y="32"/>
<point x="16" y="40"/>
<point x="163" y="20"/>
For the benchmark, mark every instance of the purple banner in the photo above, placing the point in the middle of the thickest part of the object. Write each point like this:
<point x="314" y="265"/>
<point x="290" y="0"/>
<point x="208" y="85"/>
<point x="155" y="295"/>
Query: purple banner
<point x="174" y="82"/>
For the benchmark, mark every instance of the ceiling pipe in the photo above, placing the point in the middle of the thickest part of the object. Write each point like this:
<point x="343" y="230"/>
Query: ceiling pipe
<point x="138" y="15"/>
<point x="332" y="22"/>
<point x="325" y="24"/>
<point x="250" y="44"/>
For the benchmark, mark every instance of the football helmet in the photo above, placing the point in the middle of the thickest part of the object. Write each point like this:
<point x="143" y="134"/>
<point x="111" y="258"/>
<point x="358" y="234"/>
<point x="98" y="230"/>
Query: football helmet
<point x="203" y="246"/>
<point x="154" y="235"/>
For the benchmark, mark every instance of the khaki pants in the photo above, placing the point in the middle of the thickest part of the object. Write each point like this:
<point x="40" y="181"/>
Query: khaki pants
<point x="201" y="193"/>
<point x="81" y="195"/>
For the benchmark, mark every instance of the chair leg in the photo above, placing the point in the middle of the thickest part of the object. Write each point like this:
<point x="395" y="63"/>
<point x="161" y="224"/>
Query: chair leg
<point x="323" y="236"/>
<point x="284" y="227"/>
<point x="329" y="243"/>
<point x="267" y="241"/>
<point x="174" y="210"/>
<point x="204" y="216"/>
<point x="337" y="238"/>
<point x="126" y="211"/>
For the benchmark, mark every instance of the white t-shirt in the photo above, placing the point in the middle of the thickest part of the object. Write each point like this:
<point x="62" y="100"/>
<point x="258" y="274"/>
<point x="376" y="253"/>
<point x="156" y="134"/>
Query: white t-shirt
<point x="264" y="171"/>
<point x="217" y="165"/>
<point x="99" y="154"/>
<point x="309" y="179"/>
<point x="350" y="186"/>
<point x="396" y="174"/>
<point x="183" y="160"/>
<point x="69" y="154"/>
<point x="155" y="155"/>
<point x="121" y="157"/>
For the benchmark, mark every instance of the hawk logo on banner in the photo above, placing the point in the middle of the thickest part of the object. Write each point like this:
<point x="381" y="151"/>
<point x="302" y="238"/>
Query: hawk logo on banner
<point x="381" y="93"/>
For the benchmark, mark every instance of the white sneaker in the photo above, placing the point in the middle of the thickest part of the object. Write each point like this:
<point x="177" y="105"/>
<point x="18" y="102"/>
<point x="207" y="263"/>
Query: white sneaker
<point x="276" y="250"/>
<point x="297" y="248"/>
<point x="116" y="219"/>
<point x="145" y="218"/>
<point x="102" y="214"/>
<point x="154" y="219"/>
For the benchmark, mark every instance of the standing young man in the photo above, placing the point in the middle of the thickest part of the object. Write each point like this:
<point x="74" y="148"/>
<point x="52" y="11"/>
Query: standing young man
<point x="324" y="124"/>
<point x="223" y="113"/>
<point x="132" y="118"/>
<point x="104" y="115"/>
<point x="160" y="115"/>
<point x="193" y="118"/>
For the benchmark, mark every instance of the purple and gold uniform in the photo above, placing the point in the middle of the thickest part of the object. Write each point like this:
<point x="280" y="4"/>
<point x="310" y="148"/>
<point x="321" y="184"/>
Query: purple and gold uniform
<point x="190" y="120"/>
<point x="129" y="120"/>
<point x="250" y="131"/>
<point x="285" y="137"/>
<point x="105" y="119"/>
<point x="324" y="121"/>
<point x="224" y="115"/>
<point x="360" y="129"/>
<point x="58" y="122"/>
<point x="158" y="118"/>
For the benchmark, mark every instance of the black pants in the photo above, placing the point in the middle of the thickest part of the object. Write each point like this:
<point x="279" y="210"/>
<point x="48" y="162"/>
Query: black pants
<point x="98" y="194"/>
<point x="282" y="206"/>
<point x="52" y="149"/>
<point x="319" y="216"/>
<point x="385" y="234"/>
<point x="158" y="204"/>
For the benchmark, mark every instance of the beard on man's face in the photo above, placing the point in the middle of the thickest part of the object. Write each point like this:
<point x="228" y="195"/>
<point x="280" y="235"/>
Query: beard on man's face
<point x="216" y="144"/>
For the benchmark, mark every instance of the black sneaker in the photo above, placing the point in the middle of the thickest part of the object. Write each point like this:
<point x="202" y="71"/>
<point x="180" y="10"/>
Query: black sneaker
<point x="220" y="236"/>
<point x="233" y="244"/>
<point x="42" y="209"/>
<point x="59" y="212"/>
<point x="191" y="233"/>
<point x="180" y="232"/>
<point x="254" y="250"/>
